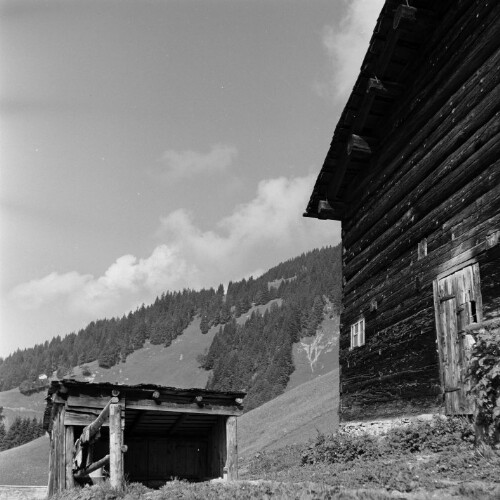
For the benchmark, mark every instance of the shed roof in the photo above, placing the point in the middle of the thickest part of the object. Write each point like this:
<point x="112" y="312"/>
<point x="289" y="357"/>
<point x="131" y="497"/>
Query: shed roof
<point x="144" y="397"/>
<point x="401" y="31"/>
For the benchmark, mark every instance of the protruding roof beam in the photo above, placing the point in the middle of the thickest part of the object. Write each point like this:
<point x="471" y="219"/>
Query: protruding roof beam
<point x="409" y="18"/>
<point x="327" y="211"/>
<point x="381" y="88"/>
<point x="405" y="17"/>
<point x="359" y="146"/>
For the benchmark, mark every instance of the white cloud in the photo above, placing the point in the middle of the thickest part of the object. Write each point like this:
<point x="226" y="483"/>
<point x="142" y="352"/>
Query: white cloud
<point x="346" y="46"/>
<point x="34" y="293"/>
<point x="257" y="235"/>
<point x="184" y="164"/>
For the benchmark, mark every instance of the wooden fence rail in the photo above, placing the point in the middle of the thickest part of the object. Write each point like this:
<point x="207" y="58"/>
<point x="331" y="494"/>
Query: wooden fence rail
<point x="92" y="467"/>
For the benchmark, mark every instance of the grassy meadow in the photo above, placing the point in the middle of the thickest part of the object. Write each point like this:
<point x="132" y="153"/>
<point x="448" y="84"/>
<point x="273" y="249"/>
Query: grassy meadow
<point x="432" y="459"/>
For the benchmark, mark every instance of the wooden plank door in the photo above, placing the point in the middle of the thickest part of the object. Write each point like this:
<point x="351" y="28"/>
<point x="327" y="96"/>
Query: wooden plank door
<point x="457" y="300"/>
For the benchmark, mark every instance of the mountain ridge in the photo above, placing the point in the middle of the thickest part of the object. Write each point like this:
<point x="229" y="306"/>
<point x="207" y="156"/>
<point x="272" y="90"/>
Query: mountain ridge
<point x="210" y="338"/>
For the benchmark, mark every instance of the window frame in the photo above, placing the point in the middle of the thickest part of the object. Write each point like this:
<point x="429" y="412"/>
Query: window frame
<point x="358" y="333"/>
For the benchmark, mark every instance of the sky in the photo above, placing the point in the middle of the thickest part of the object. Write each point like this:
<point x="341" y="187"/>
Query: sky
<point x="148" y="146"/>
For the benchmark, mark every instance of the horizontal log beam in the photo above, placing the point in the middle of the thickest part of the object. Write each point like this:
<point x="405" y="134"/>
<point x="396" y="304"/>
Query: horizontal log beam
<point x="405" y="197"/>
<point x="480" y="198"/>
<point x="470" y="112"/>
<point x="149" y="405"/>
<point x="400" y="296"/>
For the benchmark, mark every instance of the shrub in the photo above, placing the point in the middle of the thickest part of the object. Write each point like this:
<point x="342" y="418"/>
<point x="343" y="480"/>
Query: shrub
<point x="432" y="436"/>
<point x="435" y="435"/>
<point x="341" y="447"/>
<point x="86" y="371"/>
<point x="28" y="387"/>
<point x="484" y="376"/>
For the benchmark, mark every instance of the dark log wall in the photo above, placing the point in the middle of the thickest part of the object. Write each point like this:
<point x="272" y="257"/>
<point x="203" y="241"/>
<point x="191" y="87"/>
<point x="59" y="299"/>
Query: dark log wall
<point x="434" y="176"/>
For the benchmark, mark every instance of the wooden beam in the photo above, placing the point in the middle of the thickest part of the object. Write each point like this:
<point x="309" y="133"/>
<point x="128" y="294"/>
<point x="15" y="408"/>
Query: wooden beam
<point x="70" y="439"/>
<point x="80" y="419"/>
<point x="327" y="211"/>
<point x="92" y="429"/>
<point x="232" y="449"/>
<point x="182" y="417"/>
<point x="92" y="467"/>
<point x="385" y="89"/>
<point x="359" y="146"/>
<point x="115" y="446"/>
<point x="405" y="17"/>
<point x="150" y="405"/>
<point x="59" y="463"/>
<point x="135" y="422"/>
<point x="52" y="459"/>
<point x="411" y="19"/>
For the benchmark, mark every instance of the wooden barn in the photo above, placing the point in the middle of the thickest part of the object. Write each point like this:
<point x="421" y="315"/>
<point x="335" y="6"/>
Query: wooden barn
<point x="413" y="175"/>
<point x="144" y="433"/>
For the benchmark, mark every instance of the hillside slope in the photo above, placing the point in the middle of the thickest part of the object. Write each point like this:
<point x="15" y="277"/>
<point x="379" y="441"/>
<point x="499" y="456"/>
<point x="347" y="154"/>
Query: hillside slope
<point x="173" y="366"/>
<point x="317" y="355"/>
<point x="294" y="417"/>
<point x="16" y="404"/>
<point x="27" y="464"/>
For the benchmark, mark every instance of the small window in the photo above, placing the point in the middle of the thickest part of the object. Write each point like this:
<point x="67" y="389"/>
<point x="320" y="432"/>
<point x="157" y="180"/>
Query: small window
<point x="358" y="333"/>
<point x="422" y="249"/>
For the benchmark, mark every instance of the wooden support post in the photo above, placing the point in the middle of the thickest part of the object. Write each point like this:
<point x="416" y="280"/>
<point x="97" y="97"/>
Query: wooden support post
<point x="50" y="485"/>
<point x="115" y="446"/>
<point x="57" y="463"/>
<point x="232" y="449"/>
<point x="70" y="438"/>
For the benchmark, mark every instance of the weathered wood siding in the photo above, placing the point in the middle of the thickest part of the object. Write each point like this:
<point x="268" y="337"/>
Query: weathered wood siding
<point x="434" y="178"/>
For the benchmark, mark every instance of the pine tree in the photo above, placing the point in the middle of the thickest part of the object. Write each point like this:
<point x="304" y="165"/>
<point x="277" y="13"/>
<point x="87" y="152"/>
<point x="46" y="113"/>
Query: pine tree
<point x="204" y="326"/>
<point x="2" y="430"/>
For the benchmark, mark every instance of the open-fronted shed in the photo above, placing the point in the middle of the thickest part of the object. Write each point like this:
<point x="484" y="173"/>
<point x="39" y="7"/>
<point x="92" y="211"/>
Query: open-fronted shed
<point x="413" y="174"/>
<point x="145" y="433"/>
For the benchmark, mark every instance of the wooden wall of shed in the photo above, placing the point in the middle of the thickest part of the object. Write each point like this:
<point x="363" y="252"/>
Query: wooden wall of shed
<point x="154" y="460"/>
<point x="435" y="175"/>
